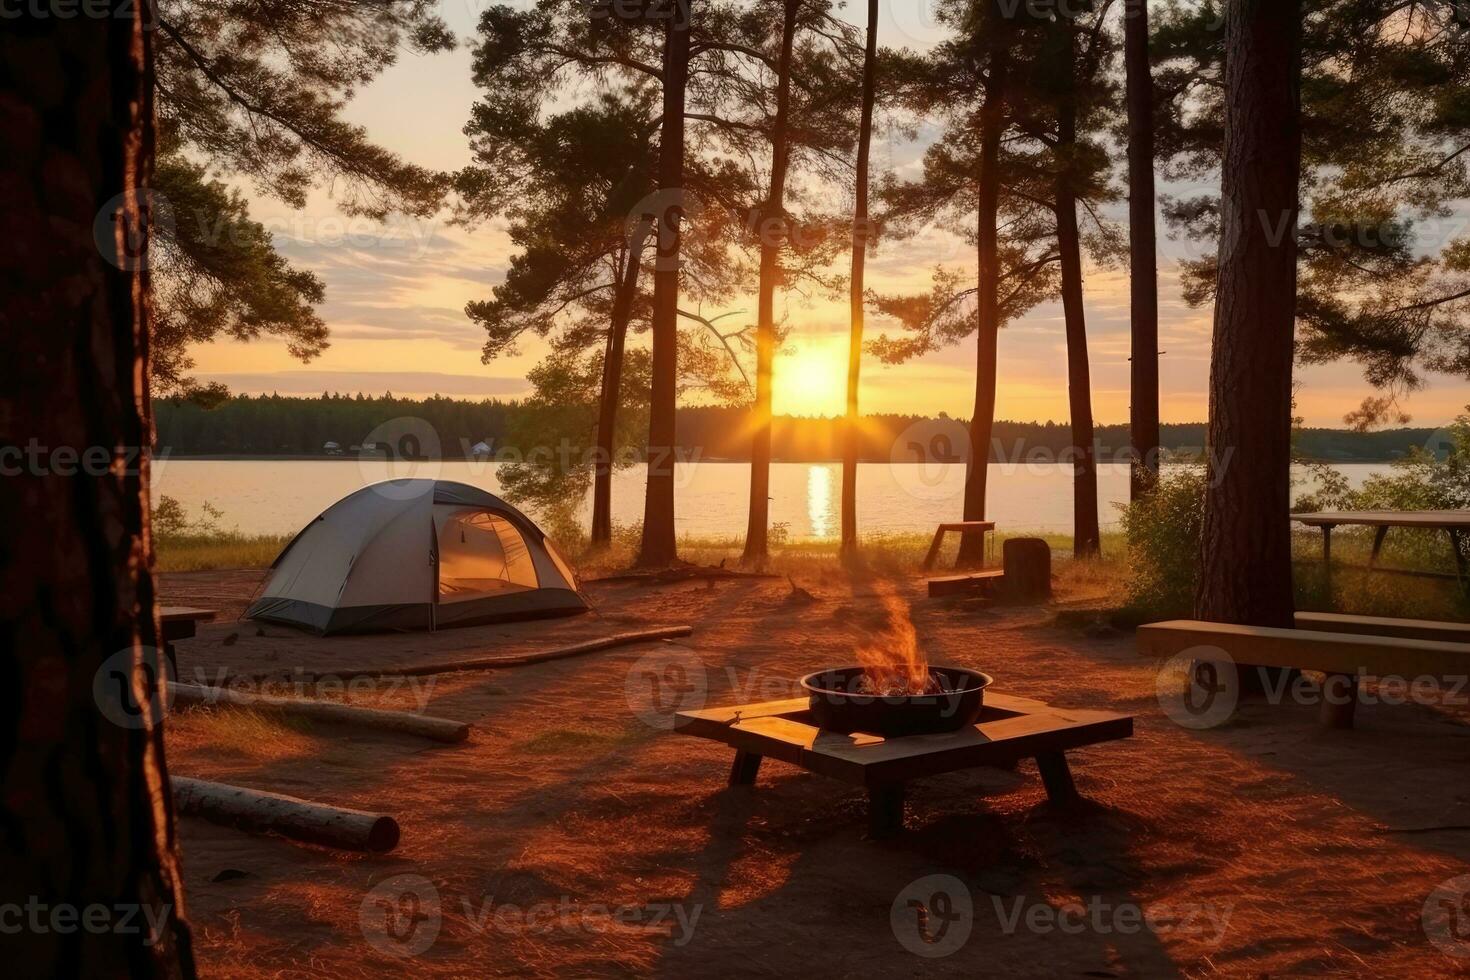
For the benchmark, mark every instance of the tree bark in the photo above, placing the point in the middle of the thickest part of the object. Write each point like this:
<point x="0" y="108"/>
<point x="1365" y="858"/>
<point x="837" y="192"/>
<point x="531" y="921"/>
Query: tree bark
<point x="771" y="228"/>
<point x="1086" y="537"/>
<point x="857" y="298"/>
<point x="987" y="336"/>
<point x="1245" y="560"/>
<point x="612" y="382"/>
<point x="660" y="544"/>
<point x="85" y="803"/>
<point x="1143" y="251"/>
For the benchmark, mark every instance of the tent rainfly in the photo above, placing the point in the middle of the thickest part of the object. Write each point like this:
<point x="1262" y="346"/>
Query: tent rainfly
<point x="417" y="555"/>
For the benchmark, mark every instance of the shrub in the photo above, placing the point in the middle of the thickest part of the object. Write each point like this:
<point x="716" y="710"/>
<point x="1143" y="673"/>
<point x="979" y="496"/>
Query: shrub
<point x="1163" y="533"/>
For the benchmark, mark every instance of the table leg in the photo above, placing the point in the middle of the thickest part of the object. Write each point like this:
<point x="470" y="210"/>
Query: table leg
<point x="933" y="554"/>
<point x="885" y="810"/>
<point x="744" y="769"/>
<point x="1339" y="700"/>
<point x="1056" y="775"/>
<point x="1378" y="537"/>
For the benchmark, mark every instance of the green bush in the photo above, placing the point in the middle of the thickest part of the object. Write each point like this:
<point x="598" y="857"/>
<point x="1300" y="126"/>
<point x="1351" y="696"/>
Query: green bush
<point x="1163" y="534"/>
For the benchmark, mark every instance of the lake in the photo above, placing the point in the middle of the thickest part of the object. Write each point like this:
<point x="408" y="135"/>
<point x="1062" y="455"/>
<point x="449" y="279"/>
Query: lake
<point x="281" y="496"/>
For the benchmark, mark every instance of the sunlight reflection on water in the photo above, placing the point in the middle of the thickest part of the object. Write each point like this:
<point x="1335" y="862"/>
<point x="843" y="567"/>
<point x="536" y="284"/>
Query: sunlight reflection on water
<point x="820" y="483"/>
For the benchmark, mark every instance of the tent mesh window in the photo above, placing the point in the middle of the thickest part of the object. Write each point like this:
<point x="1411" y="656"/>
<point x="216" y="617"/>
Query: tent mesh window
<point x="481" y="554"/>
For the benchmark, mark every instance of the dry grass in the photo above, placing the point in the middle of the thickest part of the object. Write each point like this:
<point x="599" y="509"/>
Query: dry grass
<point x="210" y="552"/>
<point x="242" y="733"/>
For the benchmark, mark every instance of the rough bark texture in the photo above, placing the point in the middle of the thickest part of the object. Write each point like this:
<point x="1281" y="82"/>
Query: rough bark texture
<point x="1087" y="538"/>
<point x="85" y="805"/>
<point x="660" y="544"/>
<point x="772" y="224"/>
<point x="1245" y="561"/>
<point x="857" y="299"/>
<point x="987" y="337"/>
<point x="1142" y="250"/>
<point x="612" y="391"/>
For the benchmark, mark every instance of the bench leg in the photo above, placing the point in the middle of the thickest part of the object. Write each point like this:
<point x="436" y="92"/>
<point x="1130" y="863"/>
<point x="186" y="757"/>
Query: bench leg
<point x="933" y="554"/>
<point x="1056" y="776"/>
<point x="1327" y="558"/>
<point x="885" y="811"/>
<point x="1456" y="546"/>
<point x="744" y="769"/>
<point x="1339" y="700"/>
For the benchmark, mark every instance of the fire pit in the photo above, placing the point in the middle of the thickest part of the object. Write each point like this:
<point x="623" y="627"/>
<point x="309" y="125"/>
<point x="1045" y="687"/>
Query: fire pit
<point x="846" y="700"/>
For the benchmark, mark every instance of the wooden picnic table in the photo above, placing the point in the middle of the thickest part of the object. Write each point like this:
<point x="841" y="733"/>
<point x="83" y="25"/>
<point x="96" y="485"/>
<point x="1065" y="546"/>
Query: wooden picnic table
<point x="1453" y="522"/>
<point x="958" y="527"/>
<point x="1010" y="729"/>
<point x="180" y="623"/>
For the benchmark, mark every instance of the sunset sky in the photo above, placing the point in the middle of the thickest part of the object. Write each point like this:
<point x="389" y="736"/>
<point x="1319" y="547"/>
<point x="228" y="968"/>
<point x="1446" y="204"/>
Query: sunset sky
<point x="396" y="295"/>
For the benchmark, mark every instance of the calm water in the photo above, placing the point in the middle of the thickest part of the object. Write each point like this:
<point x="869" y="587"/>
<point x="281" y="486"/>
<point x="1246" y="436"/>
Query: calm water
<point x="279" y="497"/>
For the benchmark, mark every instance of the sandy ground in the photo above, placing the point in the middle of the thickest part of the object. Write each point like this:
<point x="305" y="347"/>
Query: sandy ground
<point x="573" y="835"/>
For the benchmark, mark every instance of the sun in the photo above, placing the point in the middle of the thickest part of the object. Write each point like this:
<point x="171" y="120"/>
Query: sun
<point x="812" y="380"/>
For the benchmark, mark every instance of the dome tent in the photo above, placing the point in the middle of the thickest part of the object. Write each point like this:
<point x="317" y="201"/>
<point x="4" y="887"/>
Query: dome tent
<point x="417" y="555"/>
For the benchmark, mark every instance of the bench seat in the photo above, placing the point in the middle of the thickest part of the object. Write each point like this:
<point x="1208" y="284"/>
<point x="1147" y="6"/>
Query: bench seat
<point x="1338" y="654"/>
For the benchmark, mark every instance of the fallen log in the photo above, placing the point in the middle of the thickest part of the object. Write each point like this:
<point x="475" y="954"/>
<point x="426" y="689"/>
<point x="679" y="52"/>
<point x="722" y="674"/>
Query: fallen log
<point x="493" y="663"/>
<point x="437" y="729"/>
<point x="261" y="812"/>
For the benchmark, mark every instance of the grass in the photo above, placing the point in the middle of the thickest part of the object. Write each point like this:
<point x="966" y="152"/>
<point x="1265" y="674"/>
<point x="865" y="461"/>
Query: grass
<point x="220" y="550"/>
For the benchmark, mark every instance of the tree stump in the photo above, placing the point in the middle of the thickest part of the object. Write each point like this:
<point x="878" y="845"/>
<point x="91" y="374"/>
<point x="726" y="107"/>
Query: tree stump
<point x="1027" y="570"/>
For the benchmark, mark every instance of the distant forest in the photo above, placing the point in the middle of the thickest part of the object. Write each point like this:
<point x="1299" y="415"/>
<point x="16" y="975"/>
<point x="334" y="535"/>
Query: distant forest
<point x="273" y="425"/>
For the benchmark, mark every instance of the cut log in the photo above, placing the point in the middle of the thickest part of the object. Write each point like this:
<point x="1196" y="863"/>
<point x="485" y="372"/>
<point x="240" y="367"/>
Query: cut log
<point x="437" y="729"/>
<point x="1027" y="570"/>
<point x="261" y="812"/>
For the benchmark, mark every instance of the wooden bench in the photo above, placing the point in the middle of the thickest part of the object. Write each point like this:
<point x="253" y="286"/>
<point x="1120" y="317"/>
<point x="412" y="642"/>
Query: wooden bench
<point x="1342" y="653"/>
<point x="961" y="527"/>
<point x="981" y="583"/>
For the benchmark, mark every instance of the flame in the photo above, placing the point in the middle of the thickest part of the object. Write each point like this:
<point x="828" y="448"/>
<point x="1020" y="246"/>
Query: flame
<point x="897" y="668"/>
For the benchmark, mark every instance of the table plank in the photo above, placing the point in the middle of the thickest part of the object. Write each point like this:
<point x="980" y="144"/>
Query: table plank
<point x="1436" y="519"/>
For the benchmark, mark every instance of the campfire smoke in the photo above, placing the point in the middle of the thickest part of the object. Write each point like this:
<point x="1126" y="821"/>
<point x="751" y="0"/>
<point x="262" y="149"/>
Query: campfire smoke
<point x="896" y="668"/>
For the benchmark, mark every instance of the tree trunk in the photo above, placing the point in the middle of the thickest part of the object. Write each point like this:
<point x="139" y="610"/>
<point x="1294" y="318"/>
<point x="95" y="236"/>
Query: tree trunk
<point x="85" y="805"/>
<point x="660" y="544"/>
<point x="1245" y="570"/>
<point x="859" y="269"/>
<point x="987" y="335"/>
<point x="1143" y="252"/>
<point x="1087" y="538"/>
<point x="771" y="228"/>
<point x="612" y="382"/>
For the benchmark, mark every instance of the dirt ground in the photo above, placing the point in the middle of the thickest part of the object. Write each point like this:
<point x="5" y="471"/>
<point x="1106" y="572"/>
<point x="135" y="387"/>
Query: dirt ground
<point x="574" y="835"/>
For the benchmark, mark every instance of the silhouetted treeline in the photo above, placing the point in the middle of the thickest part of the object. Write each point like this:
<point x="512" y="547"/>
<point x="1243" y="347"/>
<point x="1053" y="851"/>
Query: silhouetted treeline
<point x="273" y="425"/>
